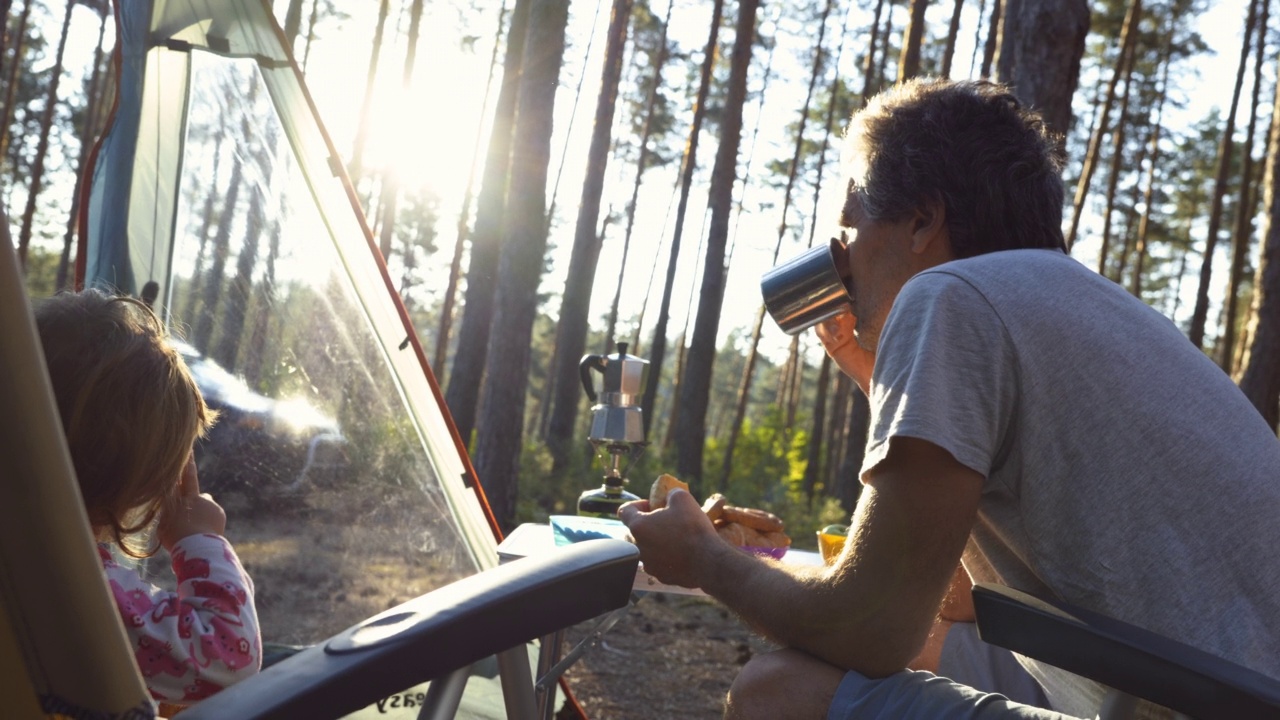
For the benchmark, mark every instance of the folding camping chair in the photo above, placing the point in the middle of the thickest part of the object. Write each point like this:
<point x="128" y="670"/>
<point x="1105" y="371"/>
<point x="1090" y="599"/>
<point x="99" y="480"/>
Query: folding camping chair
<point x="62" y="645"/>
<point x="1137" y="663"/>
<point x="439" y="636"/>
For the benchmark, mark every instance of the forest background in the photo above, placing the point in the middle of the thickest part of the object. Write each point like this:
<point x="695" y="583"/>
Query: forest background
<point x="686" y="148"/>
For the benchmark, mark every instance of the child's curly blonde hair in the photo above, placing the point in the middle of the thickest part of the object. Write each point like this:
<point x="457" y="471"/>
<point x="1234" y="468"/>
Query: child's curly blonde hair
<point x="130" y="409"/>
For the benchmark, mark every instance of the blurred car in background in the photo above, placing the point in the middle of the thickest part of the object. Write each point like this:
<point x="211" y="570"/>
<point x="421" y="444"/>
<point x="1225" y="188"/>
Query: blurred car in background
<point x="260" y="445"/>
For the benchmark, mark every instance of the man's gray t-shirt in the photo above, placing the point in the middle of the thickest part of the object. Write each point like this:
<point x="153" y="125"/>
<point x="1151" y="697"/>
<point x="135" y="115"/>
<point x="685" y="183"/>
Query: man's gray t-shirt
<point x="1125" y="472"/>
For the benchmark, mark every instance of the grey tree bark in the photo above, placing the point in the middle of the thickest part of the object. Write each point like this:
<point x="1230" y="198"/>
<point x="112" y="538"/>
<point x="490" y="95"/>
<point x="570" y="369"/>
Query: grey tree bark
<point x="464" y="223"/>
<point x="1260" y="379"/>
<point x="909" y="58"/>
<point x="1200" y="315"/>
<point x="658" y="351"/>
<point x="571" y="332"/>
<point x="695" y="387"/>
<point x="642" y="161"/>
<point x="501" y="421"/>
<point x="356" y="166"/>
<point x="1243" y="232"/>
<point x="465" y="381"/>
<point x="42" y="145"/>
<point x="744" y="386"/>
<point x="1117" y="155"/>
<point x="1144" y="225"/>
<point x="1041" y="43"/>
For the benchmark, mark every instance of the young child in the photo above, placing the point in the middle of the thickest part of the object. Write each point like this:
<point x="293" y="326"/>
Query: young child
<point x="131" y="413"/>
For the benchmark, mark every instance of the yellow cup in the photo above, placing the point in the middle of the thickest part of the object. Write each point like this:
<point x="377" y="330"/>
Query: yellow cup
<point x="830" y="545"/>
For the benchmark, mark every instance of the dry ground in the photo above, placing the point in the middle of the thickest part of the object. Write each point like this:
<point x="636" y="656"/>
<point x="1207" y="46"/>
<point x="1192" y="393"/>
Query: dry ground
<point x="324" y="563"/>
<point x="671" y="656"/>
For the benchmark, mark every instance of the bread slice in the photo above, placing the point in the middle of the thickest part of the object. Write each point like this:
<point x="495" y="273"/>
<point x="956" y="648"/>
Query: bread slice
<point x="661" y="488"/>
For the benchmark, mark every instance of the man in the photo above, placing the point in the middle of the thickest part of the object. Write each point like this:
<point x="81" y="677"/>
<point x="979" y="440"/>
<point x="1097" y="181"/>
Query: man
<point x="1032" y="425"/>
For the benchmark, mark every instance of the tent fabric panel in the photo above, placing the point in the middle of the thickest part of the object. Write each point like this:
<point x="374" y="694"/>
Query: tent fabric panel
<point x="230" y="27"/>
<point x="104" y="244"/>
<point x="64" y="623"/>
<point x="156" y="166"/>
<point x="354" y="244"/>
<point x="246" y="28"/>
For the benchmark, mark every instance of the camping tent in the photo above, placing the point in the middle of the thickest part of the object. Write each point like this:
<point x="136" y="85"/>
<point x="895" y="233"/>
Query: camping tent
<point x="217" y="192"/>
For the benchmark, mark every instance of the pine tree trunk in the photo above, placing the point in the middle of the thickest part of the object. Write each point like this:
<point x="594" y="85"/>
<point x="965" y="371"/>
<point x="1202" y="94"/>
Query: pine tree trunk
<point x="885" y="33"/>
<point x="292" y="22"/>
<point x="813" y="458"/>
<point x="464" y="221"/>
<point x="740" y="407"/>
<point x="571" y="332"/>
<point x="658" y="351"/>
<point x="221" y="250"/>
<point x="673" y="417"/>
<point x="1199" y="316"/>
<point x="1243" y="234"/>
<point x="196" y="292"/>
<point x="311" y="34"/>
<point x="850" y="487"/>
<point x="837" y="429"/>
<point x="745" y="174"/>
<point x="1260" y="380"/>
<point x="695" y="386"/>
<point x="1117" y="153"/>
<point x="390" y="181"/>
<point x="573" y="115"/>
<point x="909" y="58"/>
<point x="356" y="167"/>
<point x="1176" y="286"/>
<point x="1131" y="220"/>
<point x="744" y="386"/>
<point x="11" y="75"/>
<point x="949" y="50"/>
<point x="5" y="7"/>
<point x="42" y="146"/>
<point x="784" y="375"/>
<point x="1041" y="43"/>
<point x="1128" y="36"/>
<point x="869" y="67"/>
<point x="469" y="360"/>
<point x="501" y="420"/>
<point x="792" y="405"/>
<point x="226" y="351"/>
<point x="1140" y="251"/>
<point x="264" y="299"/>
<point x="651" y="104"/>
<point x="993" y="38"/>
<point x="88" y="131"/>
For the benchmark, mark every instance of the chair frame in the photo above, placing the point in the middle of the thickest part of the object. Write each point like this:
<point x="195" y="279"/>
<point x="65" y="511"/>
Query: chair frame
<point x="1137" y="663"/>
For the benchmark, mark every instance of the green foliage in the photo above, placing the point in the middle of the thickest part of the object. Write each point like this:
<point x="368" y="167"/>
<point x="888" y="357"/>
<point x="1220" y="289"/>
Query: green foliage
<point x="768" y="473"/>
<point x="42" y="271"/>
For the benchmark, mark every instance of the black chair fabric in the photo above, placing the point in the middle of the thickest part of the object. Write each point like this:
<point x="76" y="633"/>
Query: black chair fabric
<point x="1123" y="656"/>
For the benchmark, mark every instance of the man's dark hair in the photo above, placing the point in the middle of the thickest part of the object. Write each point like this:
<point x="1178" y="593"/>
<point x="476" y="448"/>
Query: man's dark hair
<point x="992" y="162"/>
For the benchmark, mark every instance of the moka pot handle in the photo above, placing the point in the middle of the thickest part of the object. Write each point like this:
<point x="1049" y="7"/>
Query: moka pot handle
<point x="585" y="366"/>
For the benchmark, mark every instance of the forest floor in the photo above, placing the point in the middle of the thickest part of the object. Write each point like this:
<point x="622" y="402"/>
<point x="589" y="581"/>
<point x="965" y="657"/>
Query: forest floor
<point x="670" y="656"/>
<point x="324" y="564"/>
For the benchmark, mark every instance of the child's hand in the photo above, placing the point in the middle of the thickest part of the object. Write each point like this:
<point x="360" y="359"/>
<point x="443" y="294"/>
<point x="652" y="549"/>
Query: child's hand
<point x="192" y="513"/>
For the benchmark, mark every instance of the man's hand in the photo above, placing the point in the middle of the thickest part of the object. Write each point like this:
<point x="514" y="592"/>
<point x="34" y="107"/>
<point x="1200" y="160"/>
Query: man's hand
<point x="674" y="540"/>
<point x="192" y="512"/>
<point x="836" y="335"/>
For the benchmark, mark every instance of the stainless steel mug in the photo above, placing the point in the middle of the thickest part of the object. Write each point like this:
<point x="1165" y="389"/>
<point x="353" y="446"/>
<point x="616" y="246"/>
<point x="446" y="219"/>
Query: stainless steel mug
<point x="808" y="288"/>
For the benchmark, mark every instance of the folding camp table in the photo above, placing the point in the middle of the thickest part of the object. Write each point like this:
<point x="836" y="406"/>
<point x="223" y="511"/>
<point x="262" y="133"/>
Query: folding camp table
<point x="532" y="539"/>
<point x="537" y="540"/>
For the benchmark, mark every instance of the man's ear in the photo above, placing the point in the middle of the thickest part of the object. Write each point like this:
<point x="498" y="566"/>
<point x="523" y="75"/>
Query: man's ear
<point x="929" y="227"/>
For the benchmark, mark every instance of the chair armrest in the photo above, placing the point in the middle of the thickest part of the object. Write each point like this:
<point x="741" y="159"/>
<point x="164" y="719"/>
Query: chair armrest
<point x="436" y="633"/>
<point x="1123" y="656"/>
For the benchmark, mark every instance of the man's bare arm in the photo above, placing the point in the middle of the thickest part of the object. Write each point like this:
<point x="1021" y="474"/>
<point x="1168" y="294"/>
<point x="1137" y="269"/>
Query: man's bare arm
<point x="872" y="611"/>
